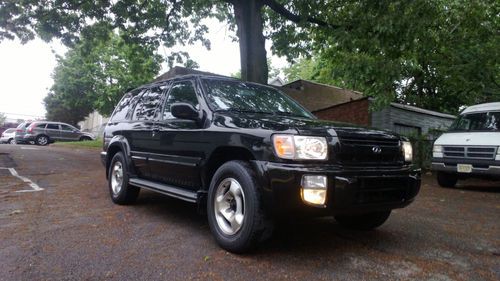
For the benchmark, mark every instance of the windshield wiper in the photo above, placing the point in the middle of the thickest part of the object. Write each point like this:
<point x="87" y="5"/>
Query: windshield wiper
<point x="244" y="111"/>
<point x="288" y="113"/>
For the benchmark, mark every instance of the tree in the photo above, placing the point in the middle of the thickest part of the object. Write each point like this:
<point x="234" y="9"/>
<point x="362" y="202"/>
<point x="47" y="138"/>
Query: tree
<point x="169" y="22"/>
<point x="95" y="74"/>
<point x="439" y="55"/>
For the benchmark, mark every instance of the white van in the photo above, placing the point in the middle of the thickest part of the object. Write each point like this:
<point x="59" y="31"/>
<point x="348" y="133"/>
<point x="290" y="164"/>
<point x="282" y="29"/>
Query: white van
<point x="471" y="147"/>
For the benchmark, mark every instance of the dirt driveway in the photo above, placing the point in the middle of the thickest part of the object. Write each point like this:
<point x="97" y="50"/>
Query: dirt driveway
<point x="58" y="223"/>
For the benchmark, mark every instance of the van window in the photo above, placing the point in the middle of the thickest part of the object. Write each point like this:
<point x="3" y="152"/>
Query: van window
<point x="483" y="121"/>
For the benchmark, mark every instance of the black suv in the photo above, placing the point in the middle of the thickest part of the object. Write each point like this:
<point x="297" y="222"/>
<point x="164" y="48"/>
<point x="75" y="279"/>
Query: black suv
<point x="248" y="154"/>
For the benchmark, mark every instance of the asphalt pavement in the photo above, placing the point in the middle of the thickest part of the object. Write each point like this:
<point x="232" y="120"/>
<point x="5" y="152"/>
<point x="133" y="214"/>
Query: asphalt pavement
<point x="57" y="222"/>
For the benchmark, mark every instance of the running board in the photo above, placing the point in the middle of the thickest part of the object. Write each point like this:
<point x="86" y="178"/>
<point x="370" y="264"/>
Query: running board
<point x="169" y="190"/>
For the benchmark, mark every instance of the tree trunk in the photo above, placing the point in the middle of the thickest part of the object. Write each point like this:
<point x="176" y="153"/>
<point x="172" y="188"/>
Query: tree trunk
<point x="252" y="42"/>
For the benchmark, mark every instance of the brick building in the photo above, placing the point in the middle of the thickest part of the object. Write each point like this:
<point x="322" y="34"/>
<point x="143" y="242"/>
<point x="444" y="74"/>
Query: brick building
<point x="341" y="105"/>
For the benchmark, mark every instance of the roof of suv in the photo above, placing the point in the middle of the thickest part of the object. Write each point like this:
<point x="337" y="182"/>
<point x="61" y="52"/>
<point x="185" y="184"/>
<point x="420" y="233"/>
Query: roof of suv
<point x="188" y="76"/>
<point x="492" y="106"/>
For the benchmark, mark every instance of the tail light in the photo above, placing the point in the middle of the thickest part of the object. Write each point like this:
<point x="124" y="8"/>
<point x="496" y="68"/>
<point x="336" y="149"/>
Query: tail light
<point x="30" y="128"/>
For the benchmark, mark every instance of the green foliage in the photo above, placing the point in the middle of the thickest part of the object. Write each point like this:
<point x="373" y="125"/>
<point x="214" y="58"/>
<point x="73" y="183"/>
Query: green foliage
<point x="96" y="73"/>
<point x="438" y="55"/>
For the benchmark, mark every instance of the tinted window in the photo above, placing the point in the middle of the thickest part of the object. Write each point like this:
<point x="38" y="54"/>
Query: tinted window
<point x="146" y="107"/>
<point x="53" y="126"/>
<point x="67" y="127"/>
<point x="230" y="95"/>
<point x="123" y="106"/>
<point x="40" y="126"/>
<point x="9" y="131"/>
<point x="180" y="92"/>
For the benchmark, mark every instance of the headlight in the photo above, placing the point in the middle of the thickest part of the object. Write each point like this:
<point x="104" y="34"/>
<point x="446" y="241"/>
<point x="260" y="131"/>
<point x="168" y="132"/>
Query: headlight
<point x="437" y="151"/>
<point x="407" y="151"/>
<point x="497" y="158"/>
<point x="300" y="147"/>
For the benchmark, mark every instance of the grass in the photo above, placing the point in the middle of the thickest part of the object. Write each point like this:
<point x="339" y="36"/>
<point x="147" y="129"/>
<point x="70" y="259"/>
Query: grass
<point x="95" y="144"/>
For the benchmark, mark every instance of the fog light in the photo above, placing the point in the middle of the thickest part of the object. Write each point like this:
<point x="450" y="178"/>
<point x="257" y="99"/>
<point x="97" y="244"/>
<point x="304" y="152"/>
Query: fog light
<point x="314" y="189"/>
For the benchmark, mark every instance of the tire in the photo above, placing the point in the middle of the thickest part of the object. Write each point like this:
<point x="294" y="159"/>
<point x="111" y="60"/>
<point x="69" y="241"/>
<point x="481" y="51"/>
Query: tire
<point x="364" y="222"/>
<point x="446" y="180"/>
<point x="42" y="140"/>
<point x="85" y="139"/>
<point x="234" y="187"/>
<point x="12" y="141"/>
<point x="121" y="192"/>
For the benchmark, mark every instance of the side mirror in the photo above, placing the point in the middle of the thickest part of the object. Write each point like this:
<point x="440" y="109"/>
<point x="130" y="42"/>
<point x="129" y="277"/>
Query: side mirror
<point x="183" y="110"/>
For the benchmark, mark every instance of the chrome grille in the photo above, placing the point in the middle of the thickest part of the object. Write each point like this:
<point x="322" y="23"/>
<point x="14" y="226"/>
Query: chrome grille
<point x="471" y="152"/>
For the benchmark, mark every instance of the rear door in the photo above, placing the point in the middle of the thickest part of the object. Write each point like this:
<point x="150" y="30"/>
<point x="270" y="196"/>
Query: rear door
<point x="141" y="130"/>
<point x="53" y="131"/>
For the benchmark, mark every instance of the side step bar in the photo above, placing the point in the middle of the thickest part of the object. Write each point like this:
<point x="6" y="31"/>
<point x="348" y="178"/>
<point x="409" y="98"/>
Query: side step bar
<point x="169" y="190"/>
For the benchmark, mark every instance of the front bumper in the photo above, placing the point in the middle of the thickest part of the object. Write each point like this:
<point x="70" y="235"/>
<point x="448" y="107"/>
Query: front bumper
<point x="103" y="156"/>
<point x="479" y="167"/>
<point x="348" y="190"/>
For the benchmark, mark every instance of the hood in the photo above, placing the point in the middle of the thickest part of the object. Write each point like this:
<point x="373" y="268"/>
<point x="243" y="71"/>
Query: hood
<point x="302" y="126"/>
<point x="469" y="138"/>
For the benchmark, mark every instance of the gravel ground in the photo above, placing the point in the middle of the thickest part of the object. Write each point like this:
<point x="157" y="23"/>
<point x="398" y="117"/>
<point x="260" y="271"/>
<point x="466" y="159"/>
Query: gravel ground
<point x="71" y="230"/>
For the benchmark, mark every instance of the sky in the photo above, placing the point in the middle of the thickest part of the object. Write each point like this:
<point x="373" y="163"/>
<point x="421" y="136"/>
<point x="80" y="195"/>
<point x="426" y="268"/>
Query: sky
<point x="25" y="70"/>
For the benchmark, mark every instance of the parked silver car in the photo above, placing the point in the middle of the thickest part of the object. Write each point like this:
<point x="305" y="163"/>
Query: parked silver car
<point x="45" y="132"/>
<point x="20" y="132"/>
<point x="8" y="136"/>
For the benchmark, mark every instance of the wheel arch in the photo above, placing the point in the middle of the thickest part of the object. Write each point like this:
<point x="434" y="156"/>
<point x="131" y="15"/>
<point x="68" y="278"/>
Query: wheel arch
<point x="118" y="144"/>
<point x="220" y="156"/>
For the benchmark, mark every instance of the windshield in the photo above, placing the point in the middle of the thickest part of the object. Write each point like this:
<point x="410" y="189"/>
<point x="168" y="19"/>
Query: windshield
<point x="223" y="95"/>
<point x="484" y="121"/>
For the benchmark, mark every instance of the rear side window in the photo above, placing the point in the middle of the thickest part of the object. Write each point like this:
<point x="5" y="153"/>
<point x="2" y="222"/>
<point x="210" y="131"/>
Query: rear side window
<point x="123" y="106"/>
<point x="52" y="126"/>
<point x="146" y="107"/>
<point x="180" y="92"/>
<point x="40" y="126"/>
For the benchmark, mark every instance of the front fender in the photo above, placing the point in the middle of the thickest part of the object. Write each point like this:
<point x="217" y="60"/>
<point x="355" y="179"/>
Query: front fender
<point x="116" y="144"/>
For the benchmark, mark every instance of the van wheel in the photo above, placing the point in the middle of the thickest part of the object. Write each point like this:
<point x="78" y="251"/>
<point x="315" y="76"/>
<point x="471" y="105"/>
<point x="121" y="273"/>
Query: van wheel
<point x="42" y="140"/>
<point x="366" y="221"/>
<point x="234" y="208"/>
<point x="446" y="180"/>
<point x="12" y="141"/>
<point x="121" y="191"/>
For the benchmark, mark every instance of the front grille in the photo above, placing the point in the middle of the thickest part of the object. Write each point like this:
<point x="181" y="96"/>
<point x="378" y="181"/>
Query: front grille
<point x="381" y="190"/>
<point x="360" y="152"/>
<point x="470" y="152"/>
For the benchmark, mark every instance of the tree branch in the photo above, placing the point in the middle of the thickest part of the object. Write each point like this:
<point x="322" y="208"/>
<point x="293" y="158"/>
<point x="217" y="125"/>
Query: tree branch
<point x="280" y="9"/>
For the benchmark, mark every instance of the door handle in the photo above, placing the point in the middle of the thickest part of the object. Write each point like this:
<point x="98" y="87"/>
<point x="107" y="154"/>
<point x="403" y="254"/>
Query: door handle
<point x="155" y="130"/>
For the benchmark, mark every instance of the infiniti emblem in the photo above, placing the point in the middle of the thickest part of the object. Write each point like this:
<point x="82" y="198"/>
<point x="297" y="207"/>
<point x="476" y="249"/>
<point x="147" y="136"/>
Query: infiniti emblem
<point x="376" y="149"/>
